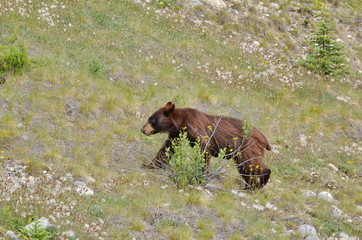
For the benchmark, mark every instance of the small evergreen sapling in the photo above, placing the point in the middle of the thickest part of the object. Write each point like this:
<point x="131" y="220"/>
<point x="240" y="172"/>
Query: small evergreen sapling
<point x="327" y="55"/>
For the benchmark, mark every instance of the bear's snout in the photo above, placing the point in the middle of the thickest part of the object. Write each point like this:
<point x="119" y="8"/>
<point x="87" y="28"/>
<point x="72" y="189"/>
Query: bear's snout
<point x="148" y="129"/>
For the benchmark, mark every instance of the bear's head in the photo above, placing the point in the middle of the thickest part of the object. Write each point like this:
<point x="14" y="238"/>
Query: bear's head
<point x="160" y="121"/>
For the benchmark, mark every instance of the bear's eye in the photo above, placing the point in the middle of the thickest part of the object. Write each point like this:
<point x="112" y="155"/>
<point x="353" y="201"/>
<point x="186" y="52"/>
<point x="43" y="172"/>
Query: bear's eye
<point x="152" y="120"/>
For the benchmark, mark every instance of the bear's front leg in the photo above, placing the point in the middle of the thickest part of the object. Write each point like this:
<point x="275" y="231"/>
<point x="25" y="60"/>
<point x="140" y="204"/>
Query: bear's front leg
<point x="160" y="161"/>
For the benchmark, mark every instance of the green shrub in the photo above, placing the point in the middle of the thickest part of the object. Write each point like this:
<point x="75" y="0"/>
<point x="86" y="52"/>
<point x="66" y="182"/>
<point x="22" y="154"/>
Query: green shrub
<point x="187" y="163"/>
<point x="327" y="55"/>
<point x="96" y="66"/>
<point x="13" y="59"/>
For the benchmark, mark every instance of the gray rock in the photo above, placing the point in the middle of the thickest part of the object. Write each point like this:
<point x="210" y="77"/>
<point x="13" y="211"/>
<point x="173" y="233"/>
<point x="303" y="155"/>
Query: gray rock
<point x="9" y="235"/>
<point x="258" y="207"/>
<point x="217" y="4"/>
<point x="311" y="238"/>
<point x="68" y="234"/>
<point x="342" y="236"/>
<point x="345" y="236"/>
<point x="270" y="206"/>
<point x="42" y="222"/>
<point x="195" y="3"/>
<point x="333" y="167"/>
<point x="325" y="196"/>
<point x="307" y="230"/>
<point x="210" y="186"/>
<point x="336" y="212"/>
<point x="308" y="193"/>
<point x="82" y="188"/>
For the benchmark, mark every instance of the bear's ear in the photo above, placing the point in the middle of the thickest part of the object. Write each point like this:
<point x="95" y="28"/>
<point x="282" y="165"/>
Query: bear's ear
<point x="169" y="107"/>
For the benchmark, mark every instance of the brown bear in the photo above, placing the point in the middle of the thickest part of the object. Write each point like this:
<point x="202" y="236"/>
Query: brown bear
<point x="243" y="142"/>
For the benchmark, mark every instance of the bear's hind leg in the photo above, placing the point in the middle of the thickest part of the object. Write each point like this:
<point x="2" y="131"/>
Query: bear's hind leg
<point x="255" y="175"/>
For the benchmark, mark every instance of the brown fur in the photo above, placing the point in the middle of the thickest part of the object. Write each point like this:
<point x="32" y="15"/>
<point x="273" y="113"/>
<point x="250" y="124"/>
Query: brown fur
<point x="215" y="133"/>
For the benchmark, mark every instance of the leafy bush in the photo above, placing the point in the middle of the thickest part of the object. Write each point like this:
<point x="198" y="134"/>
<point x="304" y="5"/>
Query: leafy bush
<point x="13" y="59"/>
<point x="187" y="163"/>
<point x="327" y="55"/>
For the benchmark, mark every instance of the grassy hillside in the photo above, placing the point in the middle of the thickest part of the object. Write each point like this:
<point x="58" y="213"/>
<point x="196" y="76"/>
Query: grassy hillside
<point x="102" y="67"/>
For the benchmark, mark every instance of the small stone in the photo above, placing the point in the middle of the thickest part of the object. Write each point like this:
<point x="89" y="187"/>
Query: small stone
<point x="326" y="196"/>
<point x="307" y="230"/>
<point x="194" y="3"/>
<point x="271" y="206"/>
<point x="210" y="186"/>
<point x="68" y="234"/>
<point x="345" y="236"/>
<point x="42" y="222"/>
<point x="333" y="167"/>
<point x="349" y="220"/>
<point x="308" y="193"/>
<point x="244" y="195"/>
<point x="82" y="188"/>
<point x="258" y="207"/>
<point x="217" y="4"/>
<point x="311" y="238"/>
<point x="9" y="235"/>
<point x="336" y="212"/>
